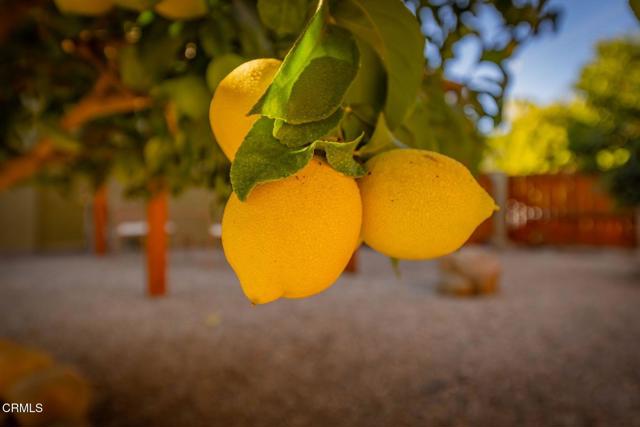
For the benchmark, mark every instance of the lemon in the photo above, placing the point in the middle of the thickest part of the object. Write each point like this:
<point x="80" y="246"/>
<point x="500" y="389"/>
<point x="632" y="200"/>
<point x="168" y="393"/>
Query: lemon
<point x="64" y="395"/>
<point x="235" y="95"/>
<point x="182" y="10"/>
<point x="292" y="238"/>
<point x="418" y="204"/>
<point x="18" y="362"/>
<point x="220" y="66"/>
<point x="84" y="7"/>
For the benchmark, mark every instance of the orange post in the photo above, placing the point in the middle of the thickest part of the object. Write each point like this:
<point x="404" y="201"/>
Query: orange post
<point x="100" y="220"/>
<point x="157" y="244"/>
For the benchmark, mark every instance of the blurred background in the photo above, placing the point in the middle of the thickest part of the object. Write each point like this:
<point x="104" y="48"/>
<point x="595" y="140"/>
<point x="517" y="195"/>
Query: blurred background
<point x="117" y="307"/>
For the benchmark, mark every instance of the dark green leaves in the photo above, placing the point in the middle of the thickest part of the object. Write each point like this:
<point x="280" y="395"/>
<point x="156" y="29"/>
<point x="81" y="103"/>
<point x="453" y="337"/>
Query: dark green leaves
<point x="635" y="7"/>
<point x="393" y="32"/>
<point x="283" y="16"/>
<point x="340" y="156"/>
<point x="301" y="110"/>
<point x="381" y="140"/>
<point x="299" y="135"/>
<point x="301" y="106"/>
<point x="262" y="158"/>
<point x="314" y="76"/>
<point x="189" y="93"/>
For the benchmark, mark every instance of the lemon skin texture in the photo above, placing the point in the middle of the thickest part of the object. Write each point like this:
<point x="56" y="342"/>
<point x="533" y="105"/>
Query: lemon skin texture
<point x="419" y="204"/>
<point x="292" y="238"/>
<point x="84" y="7"/>
<point x="182" y="10"/>
<point x="234" y="97"/>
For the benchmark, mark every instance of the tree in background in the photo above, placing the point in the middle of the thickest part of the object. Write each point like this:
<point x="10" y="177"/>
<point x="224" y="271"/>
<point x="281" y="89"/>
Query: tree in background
<point x="144" y="76"/>
<point x="597" y="133"/>
<point x="535" y="143"/>
<point x="610" y="85"/>
<point x="121" y="89"/>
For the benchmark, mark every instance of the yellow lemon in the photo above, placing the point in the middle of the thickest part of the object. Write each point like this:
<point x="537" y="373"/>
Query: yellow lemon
<point x="292" y="238"/>
<point x="17" y="362"/>
<point x="418" y="204"/>
<point x="84" y="7"/>
<point x="235" y="95"/>
<point x="182" y="10"/>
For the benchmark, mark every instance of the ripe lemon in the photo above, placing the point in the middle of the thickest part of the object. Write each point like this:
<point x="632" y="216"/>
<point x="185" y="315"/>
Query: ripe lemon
<point x="418" y="204"/>
<point x="84" y="7"/>
<point x="17" y="362"/>
<point x="236" y="94"/>
<point x="180" y="10"/>
<point x="293" y="237"/>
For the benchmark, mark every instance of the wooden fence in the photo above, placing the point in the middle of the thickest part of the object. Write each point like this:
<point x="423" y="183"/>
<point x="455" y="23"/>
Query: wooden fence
<point x="566" y="210"/>
<point x="563" y="209"/>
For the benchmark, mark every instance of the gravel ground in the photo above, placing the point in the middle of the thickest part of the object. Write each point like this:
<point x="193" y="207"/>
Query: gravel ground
<point x="559" y="346"/>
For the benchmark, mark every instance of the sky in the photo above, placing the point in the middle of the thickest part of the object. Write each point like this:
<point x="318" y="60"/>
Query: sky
<point x="545" y="69"/>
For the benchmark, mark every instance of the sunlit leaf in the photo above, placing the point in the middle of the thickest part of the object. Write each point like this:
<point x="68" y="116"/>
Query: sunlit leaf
<point x="261" y="158"/>
<point x="393" y="32"/>
<point x="314" y="76"/>
<point x="299" y="135"/>
<point x="340" y="156"/>
<point x="283" y="16"/>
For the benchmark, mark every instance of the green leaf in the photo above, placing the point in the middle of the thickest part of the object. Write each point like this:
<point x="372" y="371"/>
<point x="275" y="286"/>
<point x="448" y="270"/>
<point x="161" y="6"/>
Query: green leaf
<point x="314" y="75"/>
<point x="381" y="140"/>
<point x="370" y="84"/>
<point x="635" y="7"/>
<point x="352" y="125"/>
<point x="340" y="156"/>
<point x="132" y="70"/>
<point x="189" y="93"/>
<point x="156" y="153"/>
<point x="142" y="65"/>
<point x="283" y="16"/>
<point x="216" y="35"/>
<point x="61" y="140"/>
<point x="299" y="135"/>
<point x="394" y="33"/>
<point x="418" y="130"/>
<point x="261" y="158"/>
<point x="498" y="55"/>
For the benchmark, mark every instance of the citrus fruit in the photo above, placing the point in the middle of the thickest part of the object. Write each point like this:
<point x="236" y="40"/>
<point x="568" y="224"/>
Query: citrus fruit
<point x="17" y="362"/>
<point x="419" y="204"/>
<point x="235" y="95"/>
<point x="84" y="7"/>
<point x="220" y="66"/>
<point x="292" y="238"/>
<point x="182" y="10"/>
<point x="64" y="395"/>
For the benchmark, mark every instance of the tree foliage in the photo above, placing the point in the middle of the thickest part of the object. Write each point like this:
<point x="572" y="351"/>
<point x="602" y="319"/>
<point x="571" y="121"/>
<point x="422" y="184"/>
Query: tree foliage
<point x="598" y="132"/>
<point x="610" y="83"/>
<point x="536" y="142"/>
<point x="126" y="93"/>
